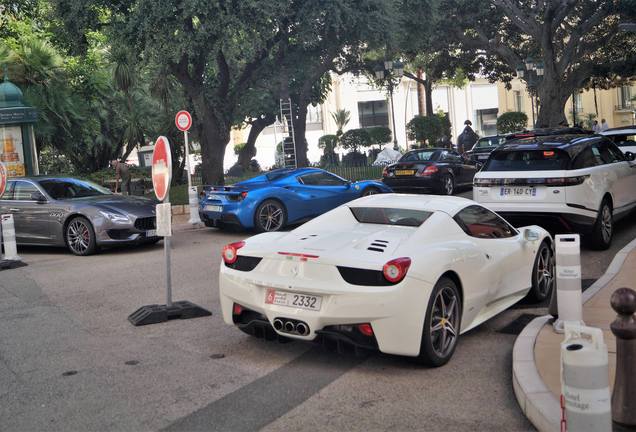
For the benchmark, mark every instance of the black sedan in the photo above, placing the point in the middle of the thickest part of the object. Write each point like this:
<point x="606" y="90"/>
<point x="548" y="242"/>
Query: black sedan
<point x="483" y="147"/>
<point x="429" y="170"/>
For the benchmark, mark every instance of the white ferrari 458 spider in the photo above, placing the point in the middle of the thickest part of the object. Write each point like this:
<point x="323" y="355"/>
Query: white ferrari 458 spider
<point x="405" y="274"/>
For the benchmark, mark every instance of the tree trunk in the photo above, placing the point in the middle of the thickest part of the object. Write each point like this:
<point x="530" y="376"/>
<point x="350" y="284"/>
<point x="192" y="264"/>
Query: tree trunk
<point x="421" y="94"/>
<point x="428" y="88"/>
<point x="249" y="150"/>
<point x="214" y="140"/>
<point x="300" y="103"/>
<point x="553" y="95"/>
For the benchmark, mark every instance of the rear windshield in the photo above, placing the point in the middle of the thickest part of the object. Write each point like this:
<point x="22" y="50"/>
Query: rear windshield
<point x="490" y="142"/>
<point x="390" y="216"/>
<point x="527" y="160"/>
<point x="420" y="155"/>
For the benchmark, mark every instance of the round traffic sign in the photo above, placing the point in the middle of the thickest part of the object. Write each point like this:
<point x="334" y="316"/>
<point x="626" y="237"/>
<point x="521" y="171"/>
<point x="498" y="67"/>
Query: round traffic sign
<point x="161" y="168"/>
<point x="3" y="178"/>
<point x="183" y="120"/>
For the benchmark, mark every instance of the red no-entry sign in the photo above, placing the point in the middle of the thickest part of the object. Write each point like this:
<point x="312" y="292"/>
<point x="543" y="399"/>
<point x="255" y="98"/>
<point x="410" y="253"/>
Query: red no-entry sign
<point x="161" y="168"/>
<point x="183" y="120"/>
<point x="3" y="178"/>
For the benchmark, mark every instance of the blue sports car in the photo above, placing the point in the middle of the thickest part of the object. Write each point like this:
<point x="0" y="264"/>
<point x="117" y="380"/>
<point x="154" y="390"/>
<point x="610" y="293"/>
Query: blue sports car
<point x="272" y="200"/>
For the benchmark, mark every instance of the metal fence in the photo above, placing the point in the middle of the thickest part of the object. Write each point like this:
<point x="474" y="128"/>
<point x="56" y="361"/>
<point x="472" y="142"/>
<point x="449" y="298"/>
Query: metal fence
<point x="355" y="173"/>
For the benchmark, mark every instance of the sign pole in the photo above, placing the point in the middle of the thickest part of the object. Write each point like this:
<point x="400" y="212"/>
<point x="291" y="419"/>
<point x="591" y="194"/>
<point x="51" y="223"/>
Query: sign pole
<point x="161" y="177"/>
<point x="183" y="121"/>
<point x="166" y="253"/>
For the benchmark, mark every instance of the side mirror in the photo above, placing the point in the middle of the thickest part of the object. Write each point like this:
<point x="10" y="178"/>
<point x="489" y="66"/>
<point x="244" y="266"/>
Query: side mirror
<point x="38" y="197"/>
<point x="630" y="156"/>
<point x="530" y="235"/>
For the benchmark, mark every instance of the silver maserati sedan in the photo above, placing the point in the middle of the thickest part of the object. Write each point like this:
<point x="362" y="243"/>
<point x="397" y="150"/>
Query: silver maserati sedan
<point x="78" y="214"/>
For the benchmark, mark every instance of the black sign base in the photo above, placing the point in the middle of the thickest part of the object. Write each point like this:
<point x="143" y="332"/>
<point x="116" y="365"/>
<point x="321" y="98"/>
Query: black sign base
<point x="10" y="264"/>
<point x="154" y="314"/>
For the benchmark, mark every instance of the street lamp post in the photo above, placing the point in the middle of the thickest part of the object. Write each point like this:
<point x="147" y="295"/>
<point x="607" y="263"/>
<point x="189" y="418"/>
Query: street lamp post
<point x="533" y="72"/>
<point x="391" y="72"/>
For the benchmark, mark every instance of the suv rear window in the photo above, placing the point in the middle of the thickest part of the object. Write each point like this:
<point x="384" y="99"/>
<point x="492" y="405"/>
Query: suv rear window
<point x="527" y="160"/>
<point x="390" y="216"/>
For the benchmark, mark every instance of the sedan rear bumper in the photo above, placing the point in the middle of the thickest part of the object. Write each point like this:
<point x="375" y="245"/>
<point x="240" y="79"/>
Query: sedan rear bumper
<point x="413" y="184"/>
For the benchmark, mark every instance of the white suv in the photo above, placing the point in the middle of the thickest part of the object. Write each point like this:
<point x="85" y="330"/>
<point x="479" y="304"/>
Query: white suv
<point x="581" y="182"/>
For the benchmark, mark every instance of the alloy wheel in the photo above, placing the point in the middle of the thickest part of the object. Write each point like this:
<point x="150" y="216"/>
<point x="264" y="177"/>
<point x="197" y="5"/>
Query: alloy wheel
<point x="448" y="185"/>
<point x="606" y="223"/>
<point x="78" y="236"/>
<point x="545" y="271"/>
<point x="271" y="217"/>
<point x="445" y="321"/>
<point x="370" y="191"/>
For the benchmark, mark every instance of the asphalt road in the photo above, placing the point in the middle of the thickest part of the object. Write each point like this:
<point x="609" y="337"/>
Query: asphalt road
<point x="69" y="359"/>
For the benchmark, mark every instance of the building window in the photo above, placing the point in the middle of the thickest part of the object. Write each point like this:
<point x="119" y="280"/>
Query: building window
<point x="314" y="114"/>
<point x="578" y="103"/>
<point x="518" y="100"/>
<point x="373" y="113"/>
<point x="625" y="98"/>
<point x="486" y="121"/>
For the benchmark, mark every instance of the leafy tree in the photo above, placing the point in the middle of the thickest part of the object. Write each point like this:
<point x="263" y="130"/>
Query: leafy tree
<point x="380" y="135"/>
<point x="573" y="41"/>
<point x="328" y="144"/>
<point x="428" y="130"/>
<point x="353" y="139"/>
<point x="512" y="121"/>
<point x="341" y="117"/>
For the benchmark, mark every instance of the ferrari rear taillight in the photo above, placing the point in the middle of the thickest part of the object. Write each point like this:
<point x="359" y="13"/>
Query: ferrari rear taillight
<point x="395" y="270"/>
<point x="243" y="194"/>
<point x="365" y="329"/>
<point x="230" y="252"/>
<point x="429" y="170"/>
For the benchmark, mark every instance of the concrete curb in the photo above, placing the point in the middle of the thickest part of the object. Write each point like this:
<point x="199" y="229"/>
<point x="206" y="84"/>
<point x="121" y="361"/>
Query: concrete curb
<point x="537" y="402"/>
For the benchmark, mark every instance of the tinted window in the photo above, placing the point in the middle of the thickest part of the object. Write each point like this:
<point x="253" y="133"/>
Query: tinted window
<point x="607" y="156"/>
<point x="527" y="160"/>
<point x="477" y="221"/>
<point x="390" y="216"/>
<point x="490" y="142"/>
<point x="274" y="175"/>
<point x="585" y="159"/>
<point x="61" y="189"/>
<point x="7" y="195"/>
<point x="321" y="179"/>
<point x="420" y="155"/>
<point x="22" y="191"/>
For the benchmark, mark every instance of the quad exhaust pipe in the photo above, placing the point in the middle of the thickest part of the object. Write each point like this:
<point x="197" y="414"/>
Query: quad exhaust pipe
<point x="291" y="326"/>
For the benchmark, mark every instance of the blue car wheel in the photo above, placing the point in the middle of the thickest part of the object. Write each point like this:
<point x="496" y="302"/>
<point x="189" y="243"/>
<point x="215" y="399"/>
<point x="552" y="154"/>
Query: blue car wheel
<point x="270" y="216"/>
<point x="370" y="191"/>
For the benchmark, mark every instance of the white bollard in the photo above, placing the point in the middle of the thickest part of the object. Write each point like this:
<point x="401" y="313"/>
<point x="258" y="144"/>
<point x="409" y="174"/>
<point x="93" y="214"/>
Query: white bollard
<point x="8" y="237"/>
<point x="193" y="200"/>
<point x="585" y="380"/>
<point x="568" y="280"/>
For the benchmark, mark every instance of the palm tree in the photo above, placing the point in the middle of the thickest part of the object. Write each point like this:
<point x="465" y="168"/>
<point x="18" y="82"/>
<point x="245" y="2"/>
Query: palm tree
<point x="341" y="117"/>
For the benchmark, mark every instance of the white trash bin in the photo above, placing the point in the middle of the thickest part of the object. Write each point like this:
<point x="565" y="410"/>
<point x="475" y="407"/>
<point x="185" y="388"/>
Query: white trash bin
<point x="585" y="380"/>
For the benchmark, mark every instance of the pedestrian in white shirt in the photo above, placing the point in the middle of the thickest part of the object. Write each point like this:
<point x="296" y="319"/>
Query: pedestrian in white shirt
<point x="596" y="127"/>
<point x="604" y="125"/>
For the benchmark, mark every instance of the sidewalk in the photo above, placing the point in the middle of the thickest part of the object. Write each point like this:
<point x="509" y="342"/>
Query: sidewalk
<point x="537" y="351"/>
